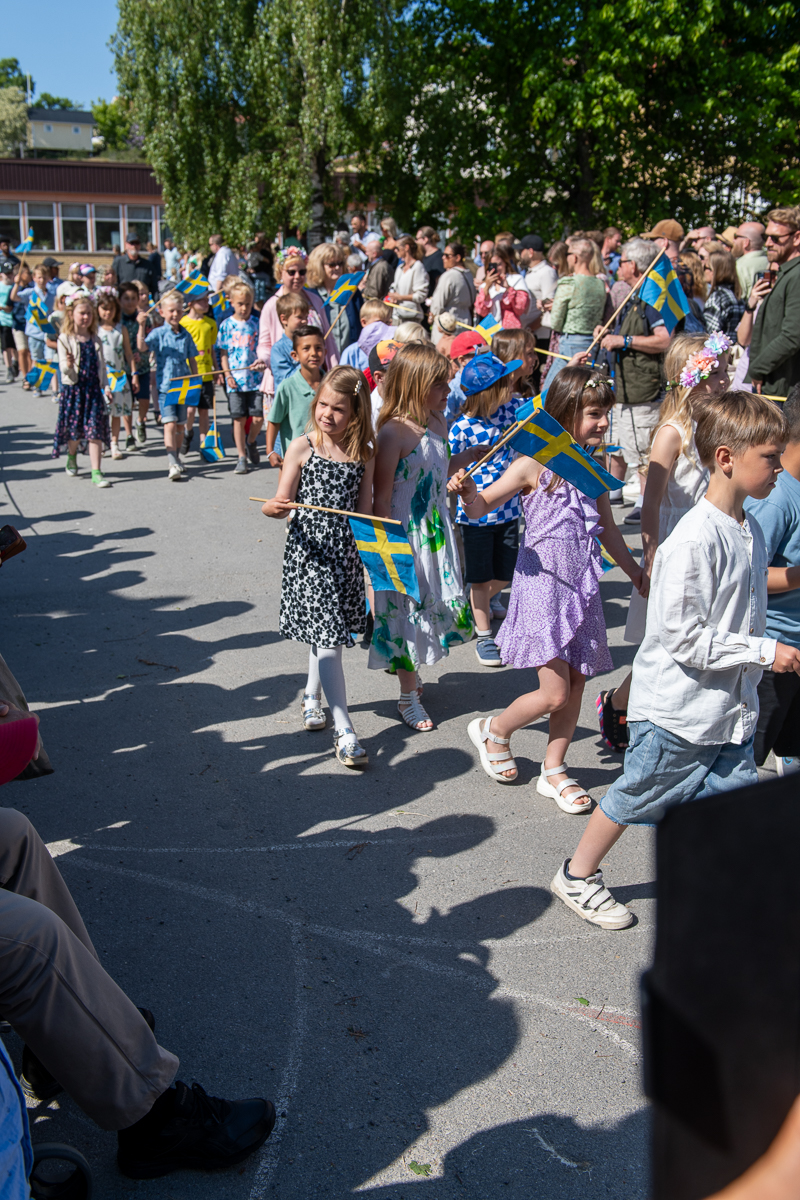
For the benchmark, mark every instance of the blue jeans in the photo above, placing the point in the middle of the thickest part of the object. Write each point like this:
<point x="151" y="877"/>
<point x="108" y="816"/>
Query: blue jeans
<point x="570" y="343"/>
<point x="662" y="769"/>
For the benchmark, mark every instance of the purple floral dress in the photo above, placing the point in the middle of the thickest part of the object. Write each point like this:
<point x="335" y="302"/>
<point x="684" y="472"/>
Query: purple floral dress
<point x="555" y="609"/>
<point x="82" y="411"/>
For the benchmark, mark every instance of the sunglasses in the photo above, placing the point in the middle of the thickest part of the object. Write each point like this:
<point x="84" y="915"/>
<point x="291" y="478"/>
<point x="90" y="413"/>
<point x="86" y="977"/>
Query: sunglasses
<point x="292" y="271"/>
<point x="771" y="237"/>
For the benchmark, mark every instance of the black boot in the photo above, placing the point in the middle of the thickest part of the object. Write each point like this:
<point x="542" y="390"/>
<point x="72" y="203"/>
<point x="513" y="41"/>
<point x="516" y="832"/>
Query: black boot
<point x="186" y="1128"/>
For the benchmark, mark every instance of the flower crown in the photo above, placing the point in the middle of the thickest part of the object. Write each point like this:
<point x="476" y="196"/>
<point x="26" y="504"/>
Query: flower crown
<point x="283" y="256"/>
<point x="81" y="294"/>
<point x="101" y="292"/>
<point x="700" y="365"/>
<point x="594" y="382"/>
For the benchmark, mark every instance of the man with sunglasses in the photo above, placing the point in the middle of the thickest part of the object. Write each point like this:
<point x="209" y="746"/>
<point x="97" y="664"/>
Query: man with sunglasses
<point x="775" y="344"/>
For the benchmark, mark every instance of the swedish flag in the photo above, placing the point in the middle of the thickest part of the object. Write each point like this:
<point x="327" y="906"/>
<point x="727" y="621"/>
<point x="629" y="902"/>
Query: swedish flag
<point x="116" y="379"/>
<point x="26" y="246"/>
<point x="542" y="438"/>
<point x="185" y="391"/>
<point x="346" y="287"/>
<point x="662" y="289"/>
<point x="41" y="375"/>
<point x="218" y="303"/>
<point x="39" y="315"/>
<point x="488" y="327"/>
<point x="387" y="555"/>
<point x="194" y="285"/>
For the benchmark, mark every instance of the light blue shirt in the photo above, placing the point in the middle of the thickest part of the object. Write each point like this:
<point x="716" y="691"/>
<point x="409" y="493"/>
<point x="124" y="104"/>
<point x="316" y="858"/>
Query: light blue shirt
<point x="173" y="351"/>
<point x="47" y="298"/>
<point x="354" y="356"/>
<point x="779" y="518"/>
<point x="455" y="399"/>
<point x="281" y="362"/>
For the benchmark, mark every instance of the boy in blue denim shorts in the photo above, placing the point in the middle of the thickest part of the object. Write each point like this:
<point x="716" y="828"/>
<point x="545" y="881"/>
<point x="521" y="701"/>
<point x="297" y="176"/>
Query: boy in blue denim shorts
<point x="693" y="705"/>
<point x="176" y="357"/>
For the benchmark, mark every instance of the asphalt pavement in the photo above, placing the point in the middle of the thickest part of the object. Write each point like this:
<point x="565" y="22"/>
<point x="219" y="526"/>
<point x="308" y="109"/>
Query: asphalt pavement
<point x="378" y="952"/>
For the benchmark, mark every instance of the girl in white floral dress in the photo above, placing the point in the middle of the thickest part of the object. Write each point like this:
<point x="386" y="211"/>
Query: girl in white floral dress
<point x="412" y="466"/>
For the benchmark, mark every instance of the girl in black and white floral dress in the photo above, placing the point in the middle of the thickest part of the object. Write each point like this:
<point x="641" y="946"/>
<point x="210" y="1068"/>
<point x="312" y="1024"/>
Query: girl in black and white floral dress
<point x="322" y="596"/>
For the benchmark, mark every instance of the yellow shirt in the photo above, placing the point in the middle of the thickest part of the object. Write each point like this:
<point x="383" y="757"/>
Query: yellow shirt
<point x="203" y="332"/>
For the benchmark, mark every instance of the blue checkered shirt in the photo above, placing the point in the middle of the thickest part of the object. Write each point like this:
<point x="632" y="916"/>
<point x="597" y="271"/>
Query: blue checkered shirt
<point x="484" y="432"/>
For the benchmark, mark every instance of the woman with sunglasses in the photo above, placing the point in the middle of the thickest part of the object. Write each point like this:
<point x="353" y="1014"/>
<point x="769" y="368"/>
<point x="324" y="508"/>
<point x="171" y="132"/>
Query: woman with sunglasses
<point x="291" y="268"/>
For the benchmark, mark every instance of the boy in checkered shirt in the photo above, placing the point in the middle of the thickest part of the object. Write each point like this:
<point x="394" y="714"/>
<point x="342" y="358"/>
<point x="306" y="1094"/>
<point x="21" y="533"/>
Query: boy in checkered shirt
<point x="491" y="542"/>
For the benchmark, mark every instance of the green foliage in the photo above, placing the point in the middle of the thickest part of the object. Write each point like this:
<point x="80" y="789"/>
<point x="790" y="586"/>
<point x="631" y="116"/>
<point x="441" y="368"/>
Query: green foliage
<point x="245" y="106"/>
<point x="525" y="115"/>
<point x="46" y="100"/>
<point x="113" y="121"/>
<point x="13" y="119"/>
<point x="11" y="75"/>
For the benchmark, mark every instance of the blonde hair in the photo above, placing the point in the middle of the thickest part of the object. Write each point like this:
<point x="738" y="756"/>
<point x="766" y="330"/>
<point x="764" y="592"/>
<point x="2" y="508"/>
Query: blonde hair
<point x="141" y="288"/>
<point x="413" y="371"/>
<point x="68" y="323"/>
<point x="410" y="331"/>
<point x="238" y="285"/>
<point x="171" y="300"/>
<point x="677" y="405"/>
<point x="389" y="227"/>
<point x="324" y="253"/>
<point x="738" y="420"/>
<point x="358" y="439"/>
<point x="483" y="404"/>
<point x="376" y="310"/>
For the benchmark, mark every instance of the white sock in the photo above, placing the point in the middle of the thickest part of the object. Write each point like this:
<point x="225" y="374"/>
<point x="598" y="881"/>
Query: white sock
<point x="615" y="495"/>
<point x="483" y="632"/>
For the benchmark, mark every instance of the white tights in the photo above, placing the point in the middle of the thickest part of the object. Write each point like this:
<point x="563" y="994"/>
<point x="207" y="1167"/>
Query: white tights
<point x="325" y="672"/>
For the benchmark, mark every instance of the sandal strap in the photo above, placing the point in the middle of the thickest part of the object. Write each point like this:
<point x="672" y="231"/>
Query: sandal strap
<point x="413" y="710"/>
<point x="504" y="756"/>
<point x="561" y="787"/>
<point x="547" y="771"/>
<point x="493" y="737"/>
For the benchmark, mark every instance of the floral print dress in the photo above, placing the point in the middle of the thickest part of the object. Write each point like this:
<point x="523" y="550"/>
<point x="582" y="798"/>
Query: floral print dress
<point x="322" y="596"/>
<point x="408" y="635"/>
<point x="82" y="411"/>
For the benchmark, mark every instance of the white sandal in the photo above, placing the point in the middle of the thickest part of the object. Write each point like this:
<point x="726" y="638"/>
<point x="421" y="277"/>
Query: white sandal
<point x="413" y="713"/>
<point x="556" y="791"/>
<point x="479" y="732"/>
<point x="313" y="715"/>
<point x="347" y="749"/>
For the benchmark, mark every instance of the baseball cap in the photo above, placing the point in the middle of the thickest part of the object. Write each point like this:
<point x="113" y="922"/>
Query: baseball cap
<point x="7" y="268"/>
<point x="132" y="239"/>
<point x="672" y="230"/>
<point x="532" y="241"/>
<point x="484" y="370"/>
<point x="51" y="262"/>
<point x="382" y="354"/>
<point x="466" y="341"/>
<point x="87" y="269"/>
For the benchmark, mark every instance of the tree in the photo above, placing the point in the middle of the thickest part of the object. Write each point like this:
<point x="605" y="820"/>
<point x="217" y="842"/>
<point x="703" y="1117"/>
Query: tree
<point x="11" y="75"/>
<point x="13" y="119"/>
<point x="113" y="121"/>
<point x="246" y="106"/>
<point x="540" y="116"/>
<point x="47" y="100"/>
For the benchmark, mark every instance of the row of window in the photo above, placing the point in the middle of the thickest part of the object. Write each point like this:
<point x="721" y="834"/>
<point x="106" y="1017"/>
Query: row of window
<point x="95" y="227"/>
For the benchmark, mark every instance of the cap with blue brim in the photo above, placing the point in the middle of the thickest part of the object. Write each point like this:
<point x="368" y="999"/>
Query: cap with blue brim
<point x="485" y="370"/>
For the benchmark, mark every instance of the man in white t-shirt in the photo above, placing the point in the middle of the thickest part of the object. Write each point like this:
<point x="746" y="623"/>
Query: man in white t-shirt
<point x="223" y="264"/>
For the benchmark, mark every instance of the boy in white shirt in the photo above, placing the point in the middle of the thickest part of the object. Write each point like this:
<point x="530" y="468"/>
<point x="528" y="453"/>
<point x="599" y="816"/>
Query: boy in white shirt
<point x="693" y="706"/>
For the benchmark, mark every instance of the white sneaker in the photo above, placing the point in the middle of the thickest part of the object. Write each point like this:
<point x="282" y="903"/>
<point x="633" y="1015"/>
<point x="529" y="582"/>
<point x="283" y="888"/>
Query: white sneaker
<point x="174" y="474"/>
<point x="115" y="450"/>
<point x="182" y="466"/>
<point x="786" y="766"/>
<point x="591" y="900"/>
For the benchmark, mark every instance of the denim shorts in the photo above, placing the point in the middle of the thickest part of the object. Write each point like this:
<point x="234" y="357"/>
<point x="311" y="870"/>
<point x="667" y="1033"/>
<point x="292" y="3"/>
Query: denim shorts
<point x="171" y="412"/>
<point x="662" y="770"/>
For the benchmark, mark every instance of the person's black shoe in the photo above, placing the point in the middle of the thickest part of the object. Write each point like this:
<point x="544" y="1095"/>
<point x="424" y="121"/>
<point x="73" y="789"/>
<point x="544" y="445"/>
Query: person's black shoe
<point x="187" y="441"/>
<point x="36" y="1081"/>
<point x="190" y="1129"/>
<point x="252" y="453"/>
<point x="613" y="722"/>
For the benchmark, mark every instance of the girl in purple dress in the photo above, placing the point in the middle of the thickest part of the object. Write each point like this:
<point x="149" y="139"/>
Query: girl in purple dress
<point x="555" y="615"/>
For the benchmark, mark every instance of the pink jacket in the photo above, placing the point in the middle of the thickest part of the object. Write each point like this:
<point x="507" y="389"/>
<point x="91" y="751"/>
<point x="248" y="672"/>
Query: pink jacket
<point x="513" y="305"/>
<point x="270" y="330"/>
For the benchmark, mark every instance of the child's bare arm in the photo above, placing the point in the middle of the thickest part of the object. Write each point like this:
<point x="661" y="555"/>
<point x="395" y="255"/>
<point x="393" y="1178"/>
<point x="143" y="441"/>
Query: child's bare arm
<point x="364" y="502"/>
<point x="523" y="473"/>
<point x="272" y="436"/>
<point x="614" y="543"/>
<point x="386" y="460"/>
<point x="297" y="453"/>
<point x="141" y="336"/>
<point x="126" y="347"/>
<point x="782" y="579"/>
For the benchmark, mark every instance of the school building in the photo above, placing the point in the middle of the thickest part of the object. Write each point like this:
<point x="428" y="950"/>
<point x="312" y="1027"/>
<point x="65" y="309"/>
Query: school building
<point x="79" y="210"/>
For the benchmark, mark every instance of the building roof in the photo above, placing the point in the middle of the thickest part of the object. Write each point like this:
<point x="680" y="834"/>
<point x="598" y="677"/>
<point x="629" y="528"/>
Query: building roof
<point x="66" y="116"/>
<point x="95" y="177"/>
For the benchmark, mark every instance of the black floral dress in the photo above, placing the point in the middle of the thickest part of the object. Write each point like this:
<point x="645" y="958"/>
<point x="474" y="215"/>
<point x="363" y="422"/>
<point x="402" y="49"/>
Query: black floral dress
<point x="322" y="597"/>
<point x="82" y="410"/>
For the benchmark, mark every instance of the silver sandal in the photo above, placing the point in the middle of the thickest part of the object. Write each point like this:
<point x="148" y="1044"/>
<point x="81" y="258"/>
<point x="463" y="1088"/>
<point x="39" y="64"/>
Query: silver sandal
<point x="313" y="715"/>
<point x="567" y="804"/>
<point x="494" y="765"/>
<point x="347" y="749"/>
<point x="413" y="713"/>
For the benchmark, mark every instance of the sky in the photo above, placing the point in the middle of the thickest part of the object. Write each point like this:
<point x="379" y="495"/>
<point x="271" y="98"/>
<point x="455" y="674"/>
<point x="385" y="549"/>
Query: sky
<point x="64" y="46"/>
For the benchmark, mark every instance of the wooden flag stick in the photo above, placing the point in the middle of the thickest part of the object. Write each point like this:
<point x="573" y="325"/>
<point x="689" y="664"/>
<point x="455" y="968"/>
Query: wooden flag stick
<point x="199" y="375"/>
<point x="498" y="445"/>
<point x="629" y="296"/>
<point x="340" y="313"/>
<point x="339" y="512"/>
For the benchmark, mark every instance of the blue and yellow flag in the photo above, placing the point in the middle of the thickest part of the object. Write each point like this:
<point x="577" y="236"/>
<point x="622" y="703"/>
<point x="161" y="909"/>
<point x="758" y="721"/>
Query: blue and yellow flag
<point x="41" y="375"/>
<point x="185" y="391"/>
<point x="542" y="438"/>
<point x="193" y="285"/>
<point x="488" y="327"/>
<point x="116" y="379"/>
<point x="218" y="303"/>
<point x="26" y="246"/>
<point x="387" y="555"/>
<point x="662" y="290"/>
<point x="346" y="287"/>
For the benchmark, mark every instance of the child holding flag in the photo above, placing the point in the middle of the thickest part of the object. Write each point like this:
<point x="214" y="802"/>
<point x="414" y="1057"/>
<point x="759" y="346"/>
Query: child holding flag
<point x="411" y="470"/>
<point x="555" y="615"/>
<point x="176" y="356"/>
<point x="238" y="351"/>
<point x="82" y="412"/>
<point x="203" y="331"/>
<point x="322" y="596"/>
<point x="118" y="357"/>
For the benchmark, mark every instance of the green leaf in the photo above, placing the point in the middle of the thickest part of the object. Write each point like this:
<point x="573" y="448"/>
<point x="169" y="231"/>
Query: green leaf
<point x="419" y="1168"/>
<point x="581" y="1000"/>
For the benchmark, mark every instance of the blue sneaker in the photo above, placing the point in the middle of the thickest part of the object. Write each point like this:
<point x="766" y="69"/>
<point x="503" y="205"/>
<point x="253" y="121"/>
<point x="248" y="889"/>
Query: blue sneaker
<point x="786" y="765"/>
<point x="487" y="653"/>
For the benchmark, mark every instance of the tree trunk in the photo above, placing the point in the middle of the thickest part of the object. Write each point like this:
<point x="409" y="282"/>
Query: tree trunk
<point x="316" y="230"/>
